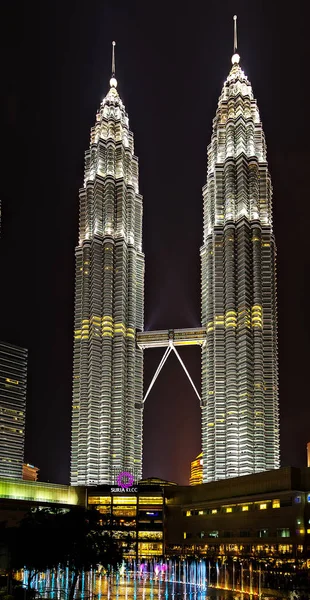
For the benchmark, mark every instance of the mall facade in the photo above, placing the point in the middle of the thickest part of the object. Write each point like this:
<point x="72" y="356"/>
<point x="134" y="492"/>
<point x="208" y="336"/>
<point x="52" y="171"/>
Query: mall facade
<point x="266" y="515"/>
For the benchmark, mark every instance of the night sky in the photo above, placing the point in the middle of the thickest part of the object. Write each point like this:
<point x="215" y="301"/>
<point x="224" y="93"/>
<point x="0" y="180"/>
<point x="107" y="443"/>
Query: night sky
<point x="171" y="63"/>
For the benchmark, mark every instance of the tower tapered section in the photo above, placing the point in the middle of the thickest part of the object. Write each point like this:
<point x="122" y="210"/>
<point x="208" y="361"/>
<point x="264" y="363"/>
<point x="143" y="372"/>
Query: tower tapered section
<point x="109" y="303"/>
<point x="240" y="415"/>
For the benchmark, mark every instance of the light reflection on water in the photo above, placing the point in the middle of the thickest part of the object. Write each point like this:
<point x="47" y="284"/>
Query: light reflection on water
<point x="144" y="588"/>
<point x="128" y="586"/>
<point x="152" y="581"/>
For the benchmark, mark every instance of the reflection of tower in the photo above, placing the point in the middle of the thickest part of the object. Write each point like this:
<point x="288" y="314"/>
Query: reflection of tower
<point x="240" y="421"/>
<point x="108" y="367"/>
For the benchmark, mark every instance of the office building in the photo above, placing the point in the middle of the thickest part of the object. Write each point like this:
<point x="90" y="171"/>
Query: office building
<point x="196" y="470"/>
<point x="109" y="298"/>
<point x="238" y="336"/>
<point x="13" y="387"/>
<point x="240" y="411"/>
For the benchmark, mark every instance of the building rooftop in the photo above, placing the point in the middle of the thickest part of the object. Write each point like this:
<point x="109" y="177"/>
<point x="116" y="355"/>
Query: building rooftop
<point x="156" y="481"/>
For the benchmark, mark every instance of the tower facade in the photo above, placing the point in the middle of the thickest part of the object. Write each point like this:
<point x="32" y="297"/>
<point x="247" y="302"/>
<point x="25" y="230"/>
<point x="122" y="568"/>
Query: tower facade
<point x="109" y="303"/>
<point x="240" y="414"/>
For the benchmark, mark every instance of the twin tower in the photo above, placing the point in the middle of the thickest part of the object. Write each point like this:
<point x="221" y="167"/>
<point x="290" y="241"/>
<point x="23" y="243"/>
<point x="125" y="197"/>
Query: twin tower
<point x="238" y="334"/>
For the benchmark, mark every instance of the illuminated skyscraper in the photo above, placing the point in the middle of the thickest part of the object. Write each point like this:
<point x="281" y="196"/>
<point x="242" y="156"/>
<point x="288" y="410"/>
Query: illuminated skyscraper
<point x="109" y="301"/>
<point x="196" y="470"/>
<point x="240" y="414"/>
<point x="13" y="388"/>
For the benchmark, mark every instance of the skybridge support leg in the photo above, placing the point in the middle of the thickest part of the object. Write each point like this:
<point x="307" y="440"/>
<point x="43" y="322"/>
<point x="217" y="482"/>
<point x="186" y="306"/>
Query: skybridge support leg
<point x="186" y="371"/>
<point x="159" y="368"/>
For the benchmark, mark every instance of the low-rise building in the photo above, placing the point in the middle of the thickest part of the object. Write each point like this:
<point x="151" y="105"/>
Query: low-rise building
<point x="134" y="515"/>
<point x="266" y="515"/>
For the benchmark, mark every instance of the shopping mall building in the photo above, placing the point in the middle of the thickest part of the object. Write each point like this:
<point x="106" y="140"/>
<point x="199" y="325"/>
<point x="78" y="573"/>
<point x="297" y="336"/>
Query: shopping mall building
<point x="261" y="515"/>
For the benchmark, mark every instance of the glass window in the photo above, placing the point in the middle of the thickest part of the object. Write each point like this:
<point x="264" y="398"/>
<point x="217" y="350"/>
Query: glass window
<point x="263" y="506"/>
<point x="150" y="535"/>
<point x="104" y="510"/>
<point x="150" y="500"/>
<point x="283" y="532"/>
<point x="124" y="500"/>
<point x="214" y="534"/>
<point x="262" y="533"/>
<point x="276" y="504"/>
<point x="99" y="500"/>
<point x="285" y="548"/>
<point x="150" y="549"/>
<point x="124" y="511"/>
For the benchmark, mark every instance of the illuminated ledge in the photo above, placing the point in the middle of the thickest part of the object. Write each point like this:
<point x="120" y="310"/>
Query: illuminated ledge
<point x="179" y="337"/>
<point x="37" y="491"/>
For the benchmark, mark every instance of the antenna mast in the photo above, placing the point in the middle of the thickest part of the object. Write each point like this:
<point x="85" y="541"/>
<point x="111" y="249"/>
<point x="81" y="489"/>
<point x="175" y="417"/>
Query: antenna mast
<point x="113" y="59"/>
<point x="113" y="81"/>
<point x="235" y="34"/>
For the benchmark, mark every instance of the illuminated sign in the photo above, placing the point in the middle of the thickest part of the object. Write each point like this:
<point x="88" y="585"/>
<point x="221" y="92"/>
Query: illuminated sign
<point x="117" y="490"/>
<point x="125" y="480"/>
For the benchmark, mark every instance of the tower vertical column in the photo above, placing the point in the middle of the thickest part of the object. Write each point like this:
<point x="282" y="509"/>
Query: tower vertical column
<point x="109" y="297"/>
<point x="240" y="429"/>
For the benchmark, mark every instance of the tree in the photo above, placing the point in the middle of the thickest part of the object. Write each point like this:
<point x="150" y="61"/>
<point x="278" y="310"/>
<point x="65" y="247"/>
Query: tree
<point x="85" y="545"/>
<point x="70" y="538"/>
<point x="32" y="545"/>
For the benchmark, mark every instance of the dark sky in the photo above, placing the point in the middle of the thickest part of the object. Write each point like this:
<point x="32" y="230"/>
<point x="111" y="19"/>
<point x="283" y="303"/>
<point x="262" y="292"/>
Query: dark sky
<point x="172" y="59"/>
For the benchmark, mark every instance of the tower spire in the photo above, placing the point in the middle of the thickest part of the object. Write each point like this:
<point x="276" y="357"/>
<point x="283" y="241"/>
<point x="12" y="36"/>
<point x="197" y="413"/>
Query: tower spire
<point x="113" y="81"/>
<point x="113" y="59"/>
<point x="235" y="57"/>
<point x="235" y="34"/>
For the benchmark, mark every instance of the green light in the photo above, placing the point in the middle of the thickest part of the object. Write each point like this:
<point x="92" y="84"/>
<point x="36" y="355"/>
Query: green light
<point x="40" y="492"/>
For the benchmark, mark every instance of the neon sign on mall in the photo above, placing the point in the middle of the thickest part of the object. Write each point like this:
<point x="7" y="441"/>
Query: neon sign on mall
<point x="125" y="481"/>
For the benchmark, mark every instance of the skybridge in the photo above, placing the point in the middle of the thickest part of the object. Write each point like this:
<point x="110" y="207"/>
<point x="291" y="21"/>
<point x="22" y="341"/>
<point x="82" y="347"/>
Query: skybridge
<point x="179" y="337"/>
<point x="170" y="339"/>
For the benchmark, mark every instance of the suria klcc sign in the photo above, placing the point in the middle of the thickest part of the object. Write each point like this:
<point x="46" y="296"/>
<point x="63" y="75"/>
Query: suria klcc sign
<point x="125" y="481"/>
